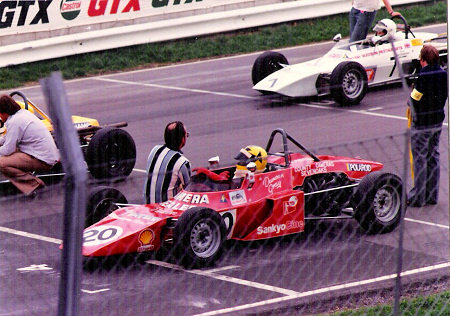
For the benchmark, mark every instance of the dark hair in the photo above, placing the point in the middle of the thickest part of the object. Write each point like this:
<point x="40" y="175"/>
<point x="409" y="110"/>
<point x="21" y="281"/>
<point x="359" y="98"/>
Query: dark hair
<point x="173" y="135"/>
<point x="429" y="54"/>
<point x="8" y="105"/>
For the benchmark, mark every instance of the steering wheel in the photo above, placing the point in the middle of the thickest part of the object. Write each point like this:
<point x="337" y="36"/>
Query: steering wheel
<point x="406" y="25"/>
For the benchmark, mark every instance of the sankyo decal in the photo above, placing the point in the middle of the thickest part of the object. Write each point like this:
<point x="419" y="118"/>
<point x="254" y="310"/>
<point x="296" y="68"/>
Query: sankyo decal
<point x="278" y="228"/>
<point x="9" y="9"/>
<point x="70" y="9"/>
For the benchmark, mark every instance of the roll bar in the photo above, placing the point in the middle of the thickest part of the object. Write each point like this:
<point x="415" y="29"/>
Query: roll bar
<point x="286" y="152"/>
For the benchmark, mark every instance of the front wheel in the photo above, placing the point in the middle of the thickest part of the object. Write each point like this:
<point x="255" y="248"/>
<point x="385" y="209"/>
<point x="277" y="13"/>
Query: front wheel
<point x="348" y="83"/>
<point x="199" y="235"/>
<point x="266" y="64"/>
<point x="101" y="202"/>
<point x="378" y="202"/>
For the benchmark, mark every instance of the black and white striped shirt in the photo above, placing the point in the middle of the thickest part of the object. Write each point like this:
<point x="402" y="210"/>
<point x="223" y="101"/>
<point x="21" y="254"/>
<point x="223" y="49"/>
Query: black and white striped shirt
<point x="168" y="171"/>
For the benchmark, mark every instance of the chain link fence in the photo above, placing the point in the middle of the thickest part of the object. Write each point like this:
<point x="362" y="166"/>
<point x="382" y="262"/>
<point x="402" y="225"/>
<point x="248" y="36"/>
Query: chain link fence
<point x="334" y="264"/>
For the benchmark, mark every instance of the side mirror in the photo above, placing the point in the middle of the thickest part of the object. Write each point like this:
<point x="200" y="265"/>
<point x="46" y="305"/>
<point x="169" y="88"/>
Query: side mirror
<point x="251" y="167"/>
<point x="337" y="37"/>
<point x="214" y="162"/>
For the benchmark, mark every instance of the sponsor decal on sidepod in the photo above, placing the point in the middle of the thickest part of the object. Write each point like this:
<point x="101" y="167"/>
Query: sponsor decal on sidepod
<point x="278" y="228"/>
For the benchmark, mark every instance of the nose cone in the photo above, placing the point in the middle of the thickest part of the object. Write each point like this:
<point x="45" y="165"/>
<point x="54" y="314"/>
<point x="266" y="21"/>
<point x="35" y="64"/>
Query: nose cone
<point x="292" y="81"/>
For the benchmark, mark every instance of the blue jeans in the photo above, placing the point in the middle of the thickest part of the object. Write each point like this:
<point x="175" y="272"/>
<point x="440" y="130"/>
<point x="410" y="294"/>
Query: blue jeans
<point x="360" y="23"/>
<point x="425" y="151"/>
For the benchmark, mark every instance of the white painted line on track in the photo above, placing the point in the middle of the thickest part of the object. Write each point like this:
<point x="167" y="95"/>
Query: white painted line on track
<point x="140" y="170"/>
<point x="222" y="269"/>
<point x="177" y="267"/>
<point x="94" y="291"/>
<point x="323" y="106"/>
<point x="426" y="223"/>
<point x="29" y="235"/>
<point x="324" y="290"/>
<point x="212" y="274"/>
<point x="152" y="85"/>
<point x="165" y="265"/>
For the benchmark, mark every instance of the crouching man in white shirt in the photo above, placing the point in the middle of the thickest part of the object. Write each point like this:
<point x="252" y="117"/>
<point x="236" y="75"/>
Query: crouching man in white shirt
<point x="27" y="146"/>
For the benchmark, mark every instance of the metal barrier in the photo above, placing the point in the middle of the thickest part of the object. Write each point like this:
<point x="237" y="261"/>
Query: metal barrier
<point x="171" y="29"/>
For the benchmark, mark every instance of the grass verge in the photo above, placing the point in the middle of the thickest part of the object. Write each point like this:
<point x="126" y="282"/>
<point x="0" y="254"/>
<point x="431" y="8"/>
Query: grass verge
<point x="436" y="305"/>
<point x="245" y="41"/>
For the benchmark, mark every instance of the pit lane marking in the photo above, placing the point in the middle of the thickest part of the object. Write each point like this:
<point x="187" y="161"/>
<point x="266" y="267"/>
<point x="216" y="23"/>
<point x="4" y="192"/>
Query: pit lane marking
<point x="212" y="274"/>
<point x="426" y="223"/>
<point x="153" y="85"/>
<point x="30" y="235"/>
<point x="325" y="290"/>
<point x="95" y="291"/>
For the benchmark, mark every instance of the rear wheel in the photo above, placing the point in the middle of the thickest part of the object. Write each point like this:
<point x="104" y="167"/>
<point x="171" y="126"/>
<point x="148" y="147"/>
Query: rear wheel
<point x="199" y="235"/>
<point x="378" y="202"/>
<point x="111" y="154"/>
<point x="101" y="202"/>
<point x="348" y="83"/>
<point x="266" y="64"/>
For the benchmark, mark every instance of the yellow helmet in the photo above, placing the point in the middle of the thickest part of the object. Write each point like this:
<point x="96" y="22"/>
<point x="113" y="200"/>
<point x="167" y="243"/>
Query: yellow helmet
<point x="254" y="154"/>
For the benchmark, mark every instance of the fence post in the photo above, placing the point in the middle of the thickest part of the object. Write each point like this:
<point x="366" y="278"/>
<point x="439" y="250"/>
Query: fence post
<point x="398" y="279"/>
<point x="75" y="194"/>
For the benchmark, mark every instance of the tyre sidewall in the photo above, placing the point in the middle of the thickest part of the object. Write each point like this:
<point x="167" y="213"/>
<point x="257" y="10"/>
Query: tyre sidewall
<point x="184" y="254"/>
<point x="364" y="198"/>
<point x="336" y="80"/>
<point x="97" y="196"/>
<point x="262" y="65"/>
<point x="98" y="156"/>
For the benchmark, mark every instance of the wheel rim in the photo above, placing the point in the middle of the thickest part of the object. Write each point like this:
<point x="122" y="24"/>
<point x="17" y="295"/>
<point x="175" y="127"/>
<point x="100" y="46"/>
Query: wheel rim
<point x="386" y="203"/>
<point x="205" y="238"/>
<point x="352" y="84"/>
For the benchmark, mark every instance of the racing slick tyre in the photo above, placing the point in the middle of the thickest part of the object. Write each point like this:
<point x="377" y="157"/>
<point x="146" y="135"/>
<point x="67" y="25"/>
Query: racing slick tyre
<point x="265" y="64"/>
<point x="378" y="202"/>
<point x="198" y="237"/>
<point x="111" y="154"/>
<point x="348" y="83"/>
<point x="101" y="202"/>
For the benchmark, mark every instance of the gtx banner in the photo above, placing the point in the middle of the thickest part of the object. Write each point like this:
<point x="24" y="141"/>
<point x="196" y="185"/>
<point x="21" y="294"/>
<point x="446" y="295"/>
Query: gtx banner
<point x="22" y="16"/>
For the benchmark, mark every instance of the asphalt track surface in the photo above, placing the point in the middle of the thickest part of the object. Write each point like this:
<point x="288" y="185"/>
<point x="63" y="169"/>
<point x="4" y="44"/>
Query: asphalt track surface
<point x="222" y="113"/>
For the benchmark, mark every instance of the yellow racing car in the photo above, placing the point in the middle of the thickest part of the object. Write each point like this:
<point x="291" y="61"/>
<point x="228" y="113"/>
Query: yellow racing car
<point x="109" y="151"/>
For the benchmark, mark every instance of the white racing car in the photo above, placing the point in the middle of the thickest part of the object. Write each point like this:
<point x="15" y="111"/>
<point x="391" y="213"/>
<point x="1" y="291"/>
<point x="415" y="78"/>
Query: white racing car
<point x="346" y="71"/>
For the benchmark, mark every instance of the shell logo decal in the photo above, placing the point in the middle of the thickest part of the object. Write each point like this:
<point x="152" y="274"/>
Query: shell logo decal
<point x="145" y="239"/>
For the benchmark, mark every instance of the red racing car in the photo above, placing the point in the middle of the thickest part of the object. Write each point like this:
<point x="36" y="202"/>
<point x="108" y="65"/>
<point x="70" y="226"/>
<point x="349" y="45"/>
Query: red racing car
<point x="295" y="187"/>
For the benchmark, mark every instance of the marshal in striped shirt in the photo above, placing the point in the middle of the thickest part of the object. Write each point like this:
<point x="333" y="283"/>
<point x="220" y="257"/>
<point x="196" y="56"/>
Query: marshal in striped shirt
<point x="168" y="171"/>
